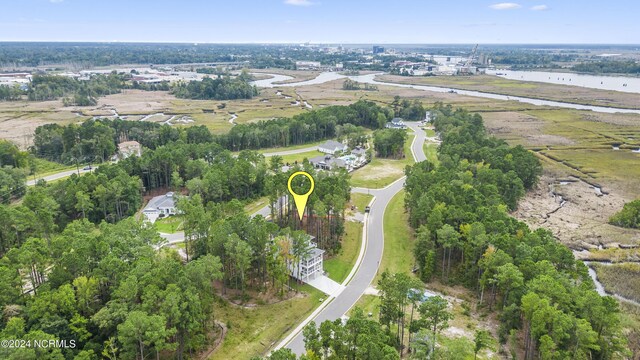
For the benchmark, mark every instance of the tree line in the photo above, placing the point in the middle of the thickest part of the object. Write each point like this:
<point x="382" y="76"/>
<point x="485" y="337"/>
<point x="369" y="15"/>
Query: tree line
<point x="220" y="88"/>
<point x="349" y="84"/>
<point x="466" y="236"/>
<point x="389" y="143"/>
<point x="608" y="67"/>
<point x="95" y="140"/>
<point x="303" y="128"/>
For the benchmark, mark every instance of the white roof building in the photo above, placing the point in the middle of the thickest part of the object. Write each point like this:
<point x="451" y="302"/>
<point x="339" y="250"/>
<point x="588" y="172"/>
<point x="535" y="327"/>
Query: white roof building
<point x="332" y="147"/>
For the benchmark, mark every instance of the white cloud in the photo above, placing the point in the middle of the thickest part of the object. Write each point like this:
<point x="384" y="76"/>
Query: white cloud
<point x="540" y="8"/>
<point x="298" y="2"/>
<point x="505" y="6"/>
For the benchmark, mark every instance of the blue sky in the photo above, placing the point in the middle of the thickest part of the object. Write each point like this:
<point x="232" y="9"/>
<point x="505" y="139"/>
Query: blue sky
<point x="330" y="21"/>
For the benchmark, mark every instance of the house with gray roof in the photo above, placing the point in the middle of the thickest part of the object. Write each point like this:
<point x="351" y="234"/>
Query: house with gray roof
<point x="160" y="207"/>
<point x="396" y="123"/>
<point x="328" y="162"/>
<point x="332" y="147"/>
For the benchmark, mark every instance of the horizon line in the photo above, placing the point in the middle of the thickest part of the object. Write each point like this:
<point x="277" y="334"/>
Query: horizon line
<point x="303" y="42"/>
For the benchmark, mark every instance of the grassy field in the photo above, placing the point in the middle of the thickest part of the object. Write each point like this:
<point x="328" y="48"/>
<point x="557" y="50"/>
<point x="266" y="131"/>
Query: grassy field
<point x="622" y="279"/>
<point x="253" y="331"/>
<point x="293" y="147"/>
<point x="339" y="266"/>
<point x="298" y="158"/>
<point x="398" y="239"/>
<point x="370" y="304"/>
<point x="430" y="132"/>
<point x="382" y="172"/>
<point x="360" y="200"/>
<point x="169" y="225"/>
<point x="45" y="167"/>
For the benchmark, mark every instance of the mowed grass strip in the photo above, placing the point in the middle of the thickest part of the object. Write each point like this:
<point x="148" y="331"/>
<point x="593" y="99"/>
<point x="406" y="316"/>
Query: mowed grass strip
<point x="254" y="331"/>
<point x="398" y="239"/>
<point x="256" y="205"/>
<point x="431" y="151"/>
<point x="339" y="266"/>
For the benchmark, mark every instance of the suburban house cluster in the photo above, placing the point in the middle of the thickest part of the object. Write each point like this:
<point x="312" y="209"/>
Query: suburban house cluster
<point x="338" y="156"/>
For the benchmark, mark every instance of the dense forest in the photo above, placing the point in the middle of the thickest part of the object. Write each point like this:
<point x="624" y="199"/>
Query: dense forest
<point x="608" y="67"/>
<point x="307" y="127"/>
<point x="408" y="110"/>
<point x="547" y="302"/>
<point x="110" y="290"/>
<point x="76" y="264"/>
<point x="628" y="217"/>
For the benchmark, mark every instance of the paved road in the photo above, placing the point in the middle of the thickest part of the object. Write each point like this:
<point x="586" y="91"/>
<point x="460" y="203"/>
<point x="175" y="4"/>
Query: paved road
<point x="60" y="175"/>
<point x="373" y="253"/>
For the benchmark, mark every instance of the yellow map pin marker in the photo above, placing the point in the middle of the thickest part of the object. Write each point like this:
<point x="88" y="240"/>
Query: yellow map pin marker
<point x="301" y="200"/>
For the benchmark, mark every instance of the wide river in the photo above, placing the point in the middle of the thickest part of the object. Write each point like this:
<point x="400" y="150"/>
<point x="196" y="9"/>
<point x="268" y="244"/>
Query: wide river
<point x="370" y="79"/>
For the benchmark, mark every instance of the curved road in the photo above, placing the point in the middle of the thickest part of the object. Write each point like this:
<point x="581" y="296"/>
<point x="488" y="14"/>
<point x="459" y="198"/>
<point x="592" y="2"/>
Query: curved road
<point x="373" y="252"/>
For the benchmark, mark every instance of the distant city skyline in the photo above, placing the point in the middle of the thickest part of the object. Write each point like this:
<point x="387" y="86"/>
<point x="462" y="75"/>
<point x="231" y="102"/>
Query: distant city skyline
<point x="323" y="21"/>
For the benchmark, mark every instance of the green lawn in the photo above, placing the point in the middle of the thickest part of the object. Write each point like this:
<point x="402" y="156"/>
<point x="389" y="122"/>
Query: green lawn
<point x="293" y="147"/>
<point x="360" y="200"/>
<point x="398" y="239"/>
<point x="369" y="304"/>
<point x="382" y="172"/>
<point x="339" y="266"/>
<point x="430" y="132"/>
<point x="169" y="225"/>
<point x="291" y="159"/>
<point x="45" y="167"/>
<point x="254" y="331"/>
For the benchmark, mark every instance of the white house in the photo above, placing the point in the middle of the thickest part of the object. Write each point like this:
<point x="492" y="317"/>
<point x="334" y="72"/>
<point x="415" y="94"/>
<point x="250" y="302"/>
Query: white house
<point x="311" y="266"/>
<point x="159" y="207"/>
<point x="396" y="123"/>
<point x="332" y="147"/>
